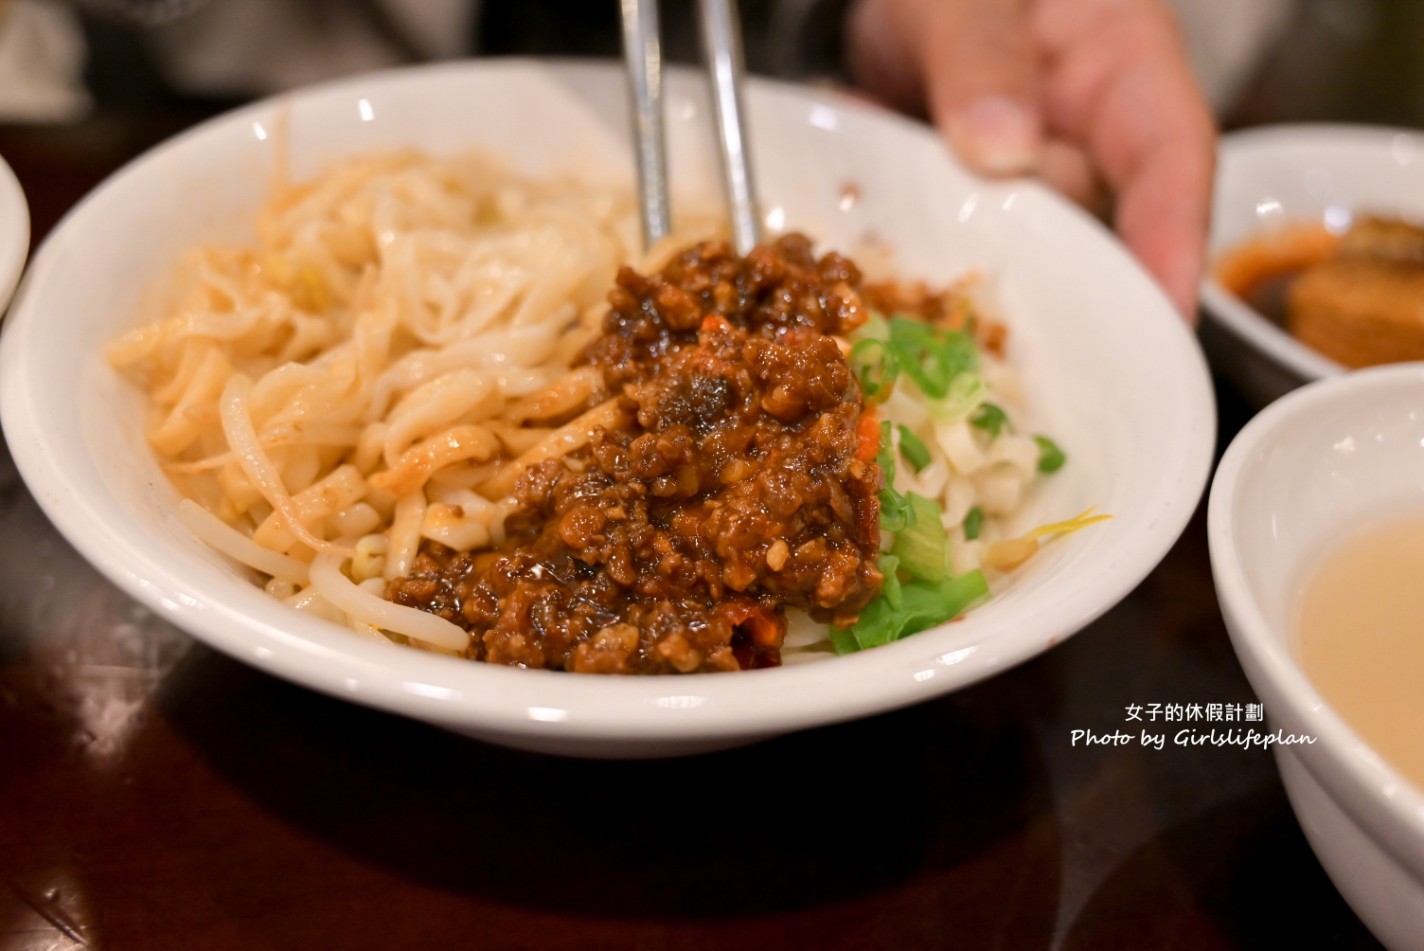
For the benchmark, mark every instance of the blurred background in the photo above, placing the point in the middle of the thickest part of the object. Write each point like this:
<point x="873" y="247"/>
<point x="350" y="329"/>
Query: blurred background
<point x="86" y="83"/>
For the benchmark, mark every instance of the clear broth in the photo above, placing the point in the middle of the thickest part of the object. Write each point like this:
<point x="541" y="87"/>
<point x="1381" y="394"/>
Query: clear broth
<point x="1360" y="630"/>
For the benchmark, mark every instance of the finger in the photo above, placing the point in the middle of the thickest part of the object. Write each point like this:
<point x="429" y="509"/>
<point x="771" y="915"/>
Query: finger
<point x="881" y="51"/>
<point x="1162" y="217"/>
<point x="1121" y="85"/>
<point x="1162" y="173"/>
<point x="969" y="64"/>
<point x="980" y="71"/>
<point x="1067" y="169"/>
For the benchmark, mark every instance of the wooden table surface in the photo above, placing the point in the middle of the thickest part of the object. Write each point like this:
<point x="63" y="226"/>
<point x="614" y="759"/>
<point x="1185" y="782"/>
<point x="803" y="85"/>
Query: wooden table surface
<point x="156" y="794"/>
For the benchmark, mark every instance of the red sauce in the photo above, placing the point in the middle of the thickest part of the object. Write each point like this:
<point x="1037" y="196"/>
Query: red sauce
<point x="1261" y="269"/>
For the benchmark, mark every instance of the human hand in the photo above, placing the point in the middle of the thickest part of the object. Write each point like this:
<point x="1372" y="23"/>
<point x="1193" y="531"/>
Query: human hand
<point x="1094" y="96"/>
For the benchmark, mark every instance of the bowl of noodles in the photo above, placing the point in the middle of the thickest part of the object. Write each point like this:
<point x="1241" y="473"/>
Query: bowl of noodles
<point x="375" y="387"/>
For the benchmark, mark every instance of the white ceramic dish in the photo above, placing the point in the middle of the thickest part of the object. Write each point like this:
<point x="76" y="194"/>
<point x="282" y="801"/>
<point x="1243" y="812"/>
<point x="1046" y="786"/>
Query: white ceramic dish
<point x="1114" y="373"/>
<point x="1300" y="475"/>
<point x="14" y="233"/>
<point x="1277" y="175"/>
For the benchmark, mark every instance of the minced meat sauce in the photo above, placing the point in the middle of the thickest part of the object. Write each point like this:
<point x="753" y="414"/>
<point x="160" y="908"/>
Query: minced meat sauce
<point x="736" y="484"/>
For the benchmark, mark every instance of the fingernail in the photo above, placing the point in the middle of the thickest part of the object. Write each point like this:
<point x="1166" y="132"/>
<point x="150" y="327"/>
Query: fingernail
<point x="996" y="135"/>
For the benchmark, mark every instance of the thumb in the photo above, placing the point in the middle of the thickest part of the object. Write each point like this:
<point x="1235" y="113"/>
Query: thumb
<point x="979" y="67"/>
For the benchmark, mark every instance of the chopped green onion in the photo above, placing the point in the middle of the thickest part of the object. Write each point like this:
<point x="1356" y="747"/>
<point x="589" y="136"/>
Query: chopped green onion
<point x="1050" y="456"/>
<point x="885" y="455"/>
<point x="919" y="588"/>
<point x="991" y="418"/>
<point x="925" y="605"/>
<point x="913" y="449"/>
<point x="875" y="327"/>
<point x="922" y="546"/>
<point x="843" y="638"/>
<point x="889" y="566"/>
<point x="922" y="605"/>
<point x="931" y="356"/>
<point x="965" y="394"/>
<point x="876" y="366"/>
<point x="878" y="624"/>
<point x="973" y="523"/>
<point x="894" y="510"/>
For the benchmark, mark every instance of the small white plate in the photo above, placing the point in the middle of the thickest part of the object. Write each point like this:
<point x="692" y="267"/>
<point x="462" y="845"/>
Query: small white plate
<point x="1110" y="370"/>
<point x="1273" y="176"/>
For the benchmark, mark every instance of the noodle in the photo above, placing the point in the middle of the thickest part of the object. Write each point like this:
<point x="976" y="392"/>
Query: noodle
<point x="395" y="326"/>
<point x="363" y="606"/>
<point x="564" y="440"/>
<point x="237" y="427"/>
<point x="237" y="546"/>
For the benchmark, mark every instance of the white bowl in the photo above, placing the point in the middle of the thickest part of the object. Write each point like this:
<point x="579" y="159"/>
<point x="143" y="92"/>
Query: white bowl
<point x="14" y="233"/>
<point x="1300" y="475"/>
<point x="1276" y="175"/>
<point x="1110" y="369"/>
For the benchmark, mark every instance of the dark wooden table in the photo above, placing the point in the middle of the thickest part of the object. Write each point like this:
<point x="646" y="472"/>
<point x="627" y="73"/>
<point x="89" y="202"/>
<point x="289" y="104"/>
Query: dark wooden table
<point x="156" y="794"/>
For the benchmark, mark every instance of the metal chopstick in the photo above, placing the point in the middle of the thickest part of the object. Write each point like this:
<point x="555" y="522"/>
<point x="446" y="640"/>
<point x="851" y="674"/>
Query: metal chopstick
<point x="722" y="45"/>
<point x="642" y="52"/>
<point x="722" y="42"/>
